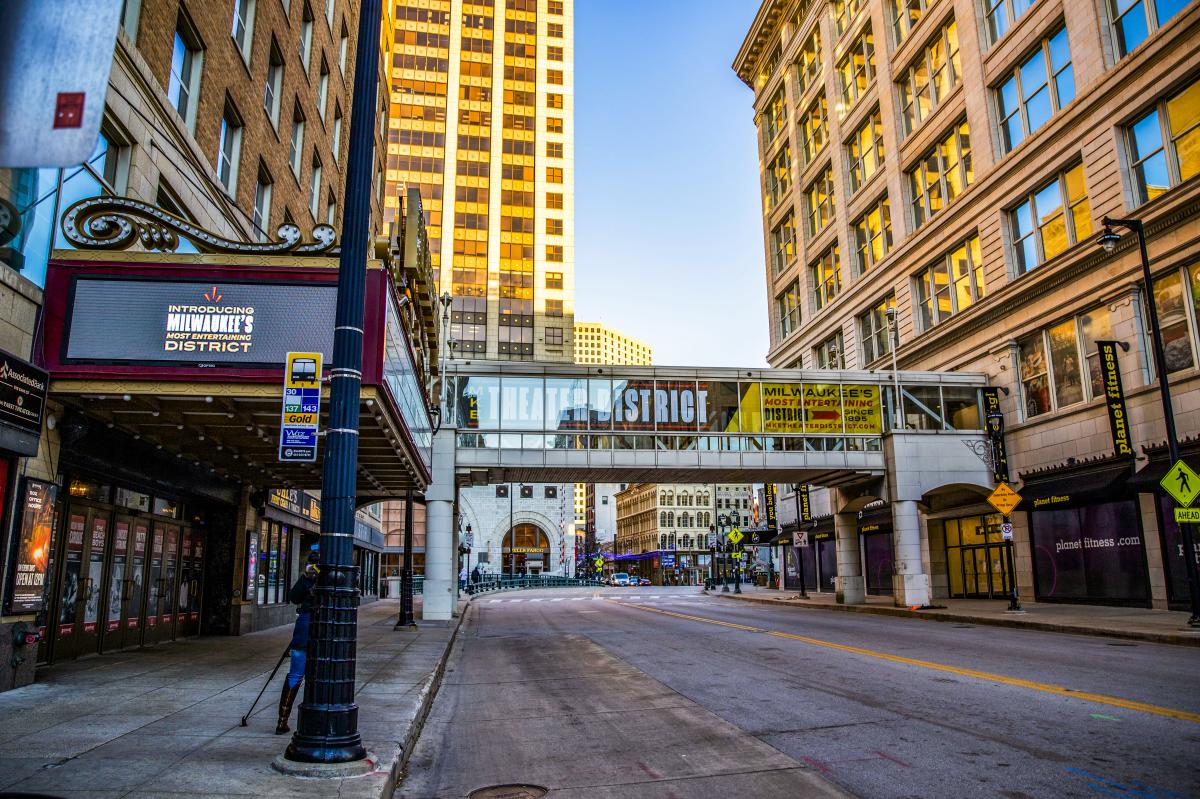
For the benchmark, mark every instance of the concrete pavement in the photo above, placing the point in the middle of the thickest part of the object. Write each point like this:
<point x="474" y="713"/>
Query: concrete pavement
<point x="526" y="702"/>
<point x="1139" y="624"/>
<point x="163" y="721"/>
<point x="579" y="694"/>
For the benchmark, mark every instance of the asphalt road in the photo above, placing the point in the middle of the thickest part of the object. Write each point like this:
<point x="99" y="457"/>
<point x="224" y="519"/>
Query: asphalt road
<point x="664" y="692"/>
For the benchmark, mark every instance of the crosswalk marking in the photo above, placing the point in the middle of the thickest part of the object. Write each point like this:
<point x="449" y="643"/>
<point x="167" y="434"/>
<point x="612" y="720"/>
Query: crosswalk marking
<point x="651" y="599"/>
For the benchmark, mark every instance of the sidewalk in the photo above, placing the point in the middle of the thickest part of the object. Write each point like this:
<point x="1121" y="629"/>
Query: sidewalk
<point x="1159" y="626"/>
<point x="164" y="721"/>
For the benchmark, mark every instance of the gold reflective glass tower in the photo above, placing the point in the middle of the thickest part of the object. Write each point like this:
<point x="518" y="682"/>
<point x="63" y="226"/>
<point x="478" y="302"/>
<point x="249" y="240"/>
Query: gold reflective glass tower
<point x="482" y="98"/>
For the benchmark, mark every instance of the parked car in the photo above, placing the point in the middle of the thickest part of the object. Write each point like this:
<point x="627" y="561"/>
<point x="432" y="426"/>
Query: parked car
<point x="620" y="578"/>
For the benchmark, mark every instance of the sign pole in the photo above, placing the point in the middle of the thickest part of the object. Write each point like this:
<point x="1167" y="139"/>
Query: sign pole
<point x="327" y="729"/>
<point x="799" y="554"/>
<point x="1003" y="499"/>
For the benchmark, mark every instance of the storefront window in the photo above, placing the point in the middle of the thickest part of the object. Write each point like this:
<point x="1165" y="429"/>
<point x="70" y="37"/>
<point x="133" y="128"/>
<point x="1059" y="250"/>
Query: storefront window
<point x="272" y="570"/>
<point x="1090" y="553"/>
<point x="1173" y="557"/>
<point x="879" y="556"/>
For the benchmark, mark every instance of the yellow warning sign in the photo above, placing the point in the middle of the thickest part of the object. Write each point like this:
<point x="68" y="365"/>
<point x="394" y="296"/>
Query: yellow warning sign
<point x="735" y="536"/>
<point x="1004" y="499"/>
<point x="1187" y="515"/>
<point x="1181" y="483"/>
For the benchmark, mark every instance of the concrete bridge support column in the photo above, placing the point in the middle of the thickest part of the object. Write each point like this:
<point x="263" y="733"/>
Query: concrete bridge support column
<point x="851" y="589"/>
<point x="910" y="581"/>
<point x="441" y="579"/>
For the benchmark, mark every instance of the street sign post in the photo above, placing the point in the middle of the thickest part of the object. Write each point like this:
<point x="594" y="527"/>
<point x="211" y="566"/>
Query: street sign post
<point x="301" y="407"/>
<point x="1005" y="501"/>
<point x="1181" y="483"/>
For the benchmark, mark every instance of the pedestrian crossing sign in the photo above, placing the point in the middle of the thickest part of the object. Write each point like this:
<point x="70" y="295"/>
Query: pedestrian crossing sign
<point x="1181" y="483"/>
<point x="735" y="536"/>
<point x="599" y="562"/>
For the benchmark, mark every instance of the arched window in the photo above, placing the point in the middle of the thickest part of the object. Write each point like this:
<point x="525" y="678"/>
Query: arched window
<point x="662" y="518"/>
<point x="662" y="541"/>
<point x="662" y="498"/>
<point x="671" y="540"/>
<point x="670" y="518"/>
<point x="669" y="498"/>
<point x="687" y="542"/>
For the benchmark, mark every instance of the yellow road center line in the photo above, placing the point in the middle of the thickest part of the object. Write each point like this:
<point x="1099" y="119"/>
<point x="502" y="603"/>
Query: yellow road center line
<point x="1128" y="704"/>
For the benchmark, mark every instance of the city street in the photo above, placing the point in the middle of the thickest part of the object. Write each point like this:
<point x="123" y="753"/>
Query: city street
<point x="667" y="692"/>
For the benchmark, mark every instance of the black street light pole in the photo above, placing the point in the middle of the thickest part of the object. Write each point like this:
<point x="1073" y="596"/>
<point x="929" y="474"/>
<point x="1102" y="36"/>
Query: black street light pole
<point x="327" y="729"/>
<point x="406" y="620"/>
<point x="723" y="543"/>
<point x="1108" y="240"/>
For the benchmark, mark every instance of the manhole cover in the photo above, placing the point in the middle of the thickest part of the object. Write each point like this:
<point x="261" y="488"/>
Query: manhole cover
<point x="509" y="792"/>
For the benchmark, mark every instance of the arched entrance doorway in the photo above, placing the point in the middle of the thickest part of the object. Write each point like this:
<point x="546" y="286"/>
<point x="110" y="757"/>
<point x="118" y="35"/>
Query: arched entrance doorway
<point x="526" y="547"/>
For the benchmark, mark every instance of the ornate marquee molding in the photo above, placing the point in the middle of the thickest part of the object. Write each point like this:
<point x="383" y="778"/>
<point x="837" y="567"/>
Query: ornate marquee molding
<point x="117" y="223"/>
<point x="982" y="450"/>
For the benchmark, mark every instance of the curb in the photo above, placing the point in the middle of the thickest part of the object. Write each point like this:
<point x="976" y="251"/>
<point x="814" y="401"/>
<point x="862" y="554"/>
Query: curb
<point x="1175" y="639"/>
<point x="428" y="693"/>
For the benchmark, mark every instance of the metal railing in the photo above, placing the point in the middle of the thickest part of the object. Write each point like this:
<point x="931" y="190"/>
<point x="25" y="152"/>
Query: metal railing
<point x="506" y="583"/>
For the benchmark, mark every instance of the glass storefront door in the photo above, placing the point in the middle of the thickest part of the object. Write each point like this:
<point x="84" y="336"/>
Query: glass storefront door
<point x="82" y="582"/>
<point x="115" y="603"/>
<point x="977" y="558"/>
<point x="155" y="586"/>
<point x="136" y="584"/>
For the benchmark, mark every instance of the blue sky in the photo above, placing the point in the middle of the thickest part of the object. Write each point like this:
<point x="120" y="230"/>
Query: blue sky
<point x="668" y="231"/>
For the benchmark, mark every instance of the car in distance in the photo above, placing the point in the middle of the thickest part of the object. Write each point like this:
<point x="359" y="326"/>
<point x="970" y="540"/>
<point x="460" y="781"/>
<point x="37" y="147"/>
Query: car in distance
<point x="620" y="578"/>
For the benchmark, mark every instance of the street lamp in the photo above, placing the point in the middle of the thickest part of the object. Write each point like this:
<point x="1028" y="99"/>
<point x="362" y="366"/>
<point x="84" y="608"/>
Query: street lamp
<point x="893" y="325"/>
<point x="1108" y="240"/>
<point x="723" y="544"/>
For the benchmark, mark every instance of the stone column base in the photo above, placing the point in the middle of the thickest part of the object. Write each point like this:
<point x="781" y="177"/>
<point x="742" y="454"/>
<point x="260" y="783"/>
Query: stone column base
<point x="910" y="589"/>
<point x="851" y="590"/>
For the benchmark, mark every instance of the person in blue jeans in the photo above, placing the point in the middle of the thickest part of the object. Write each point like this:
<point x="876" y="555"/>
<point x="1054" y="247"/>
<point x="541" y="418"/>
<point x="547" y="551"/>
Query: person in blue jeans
<point x="301" y="596"/>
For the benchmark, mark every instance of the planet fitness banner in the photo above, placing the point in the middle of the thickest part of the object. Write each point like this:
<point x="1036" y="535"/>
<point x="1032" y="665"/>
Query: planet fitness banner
<point x="1090" y="553"/>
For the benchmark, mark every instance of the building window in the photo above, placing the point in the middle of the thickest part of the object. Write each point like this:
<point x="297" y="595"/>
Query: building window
<point x="865" y="151"/>
<point x="819" y="196"/>
<point x="554" y="253"/>
<point x="554" y="77"/>
<point x="944" y="173"/>
<point x="787" y="310"/>
<point x="337" y="134"/>
<point x="554" y="336"/>
<point x="296" y="147"/>
<point x="830" y="353"/>
<point x="779" y="178"/>
<point x="1051" y="219"/>
<point x="554" y="101"/>
<point x="554" y="149"/>
<point x="262" y="205"/>
<point x="117" y="154"/>
<point x="930" y="78"/>
<point x="844" y="12"/>
<point x="183" y="88"/>
<point x="554" y="174"/>
<point x="272" y="93"/>
<point x="554" y="280"/>
<point x="905" y="15"/>
<point x="1177" y="317"/>
<point x="771" y="121"/>
<point x="825" y="278"/>
<point x="554" y="125"/>
<point x="872" y="235"/>
<point x="329" y="13"/>
<point x="783" y="243"/>
<point x="856" y="70"/>
<point x="554" y="308"/>
<point x="814" y="128"/>
<point x="131" y="11"/>
<point x="1001" y="14"/>
<point x="1053" y="361"/>
<point x="1133" y="22"/>
<point x="1164" y="145"/>
<point x="323" y="90"/>
<point x="808" y="63"/>
<point x="1038" y="88"/>
<point x="306" y="33"/>
<point x="243" y="26"/>
<point x="229" y="148"/>
<point x="554" y="227"/>
<point x="873" y="331"/>
<point x="314" y="187"/>
<point x="330" y="209"/>
<point x="950" y="286"/>
<point x="554" y="201"/>
<point x="554" y="53"/>
<point x="343" y="48"/>
<point x="554" y="30"/>
<point x="554" y="7"/>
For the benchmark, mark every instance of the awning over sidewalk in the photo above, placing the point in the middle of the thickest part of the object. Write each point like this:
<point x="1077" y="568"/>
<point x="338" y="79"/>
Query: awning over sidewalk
<point x="1075" y="484"/>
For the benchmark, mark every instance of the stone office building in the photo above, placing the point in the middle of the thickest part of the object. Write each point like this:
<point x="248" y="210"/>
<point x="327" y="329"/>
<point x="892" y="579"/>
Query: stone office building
<point x="934" y="176"/>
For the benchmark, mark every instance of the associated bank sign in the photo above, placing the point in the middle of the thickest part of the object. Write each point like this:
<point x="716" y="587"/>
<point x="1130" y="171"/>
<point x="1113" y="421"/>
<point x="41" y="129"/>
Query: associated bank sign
<point x="192" y="322"/>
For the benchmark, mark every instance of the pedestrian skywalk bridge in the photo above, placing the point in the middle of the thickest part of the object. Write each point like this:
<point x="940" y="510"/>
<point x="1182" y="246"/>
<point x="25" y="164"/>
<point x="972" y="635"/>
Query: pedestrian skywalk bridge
<point x="545" y="423"/>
